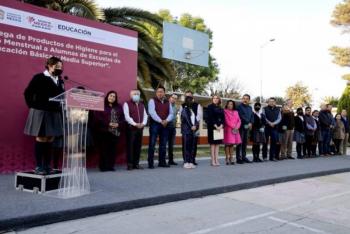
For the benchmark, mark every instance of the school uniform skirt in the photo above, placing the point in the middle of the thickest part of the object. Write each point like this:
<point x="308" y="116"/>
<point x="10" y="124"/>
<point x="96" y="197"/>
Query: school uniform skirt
<point x="299" y="137"/>
<point x="43" y="123"/>
<point x="258" y="136"/>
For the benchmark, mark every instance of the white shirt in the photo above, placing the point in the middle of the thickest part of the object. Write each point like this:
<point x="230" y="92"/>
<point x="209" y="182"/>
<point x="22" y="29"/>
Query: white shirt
<point x="193" y="117"/>
<point x="53" y="78"/>
<point x="199" y="112"/>
<point x="129" y="119"/>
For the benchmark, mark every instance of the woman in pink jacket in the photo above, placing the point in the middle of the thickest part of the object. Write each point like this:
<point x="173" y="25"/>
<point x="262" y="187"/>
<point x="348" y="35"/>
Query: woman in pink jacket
<point x="231" y="130"/>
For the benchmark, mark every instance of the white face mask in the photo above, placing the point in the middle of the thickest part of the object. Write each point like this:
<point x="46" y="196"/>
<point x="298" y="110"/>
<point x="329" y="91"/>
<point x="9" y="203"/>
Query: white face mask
<point x="136" y="98"/>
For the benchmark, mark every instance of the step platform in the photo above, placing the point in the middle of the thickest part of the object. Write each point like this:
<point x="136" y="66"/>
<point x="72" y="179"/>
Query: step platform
<point x="38" y="184"/>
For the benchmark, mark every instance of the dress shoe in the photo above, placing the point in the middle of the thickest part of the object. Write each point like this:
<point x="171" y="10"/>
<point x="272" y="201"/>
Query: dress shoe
<point x="290" y="157"/>
<point x="195" y="163"/>
<point x="172" y="163"/>
<point x="273" y="160"/>
<point x="240" y="162"/>
<point x="246" y="160"/>
<point x="138" y="167"/>
<point x="150" y="166"/>
<point x="163" y="165"/>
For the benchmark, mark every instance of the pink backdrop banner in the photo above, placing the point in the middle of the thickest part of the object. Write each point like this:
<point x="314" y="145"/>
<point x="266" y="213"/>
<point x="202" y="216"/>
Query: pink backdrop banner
<point x="99" y="56"/>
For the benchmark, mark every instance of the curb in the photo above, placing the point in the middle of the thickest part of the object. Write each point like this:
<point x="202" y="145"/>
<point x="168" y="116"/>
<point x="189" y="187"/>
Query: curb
<point x="54" y="217"/>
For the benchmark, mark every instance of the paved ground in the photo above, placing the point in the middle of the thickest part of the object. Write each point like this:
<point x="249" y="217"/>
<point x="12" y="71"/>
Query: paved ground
<point x="123" y="190"/>
<point x="318" y="205"/>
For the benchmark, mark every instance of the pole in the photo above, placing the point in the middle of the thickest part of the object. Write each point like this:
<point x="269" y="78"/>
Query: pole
<point x="262" y="46"/>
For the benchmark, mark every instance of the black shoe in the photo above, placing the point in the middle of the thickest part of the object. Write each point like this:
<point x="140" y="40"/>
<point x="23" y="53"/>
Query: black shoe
<point x="138" y="167"/>
<point x="240" y="162"/>
<point x="172" y="163"/>
<point x="129" y="167"/>
<point x="246" y="160"/>
<point x="290" y="157"/>
<point x="259" y="160"/>
<point x="150" y="166"/>
<point x="300" y="157"/>
<point x="273" y="160"/>
<point x="194" y="163"/>
<point x="163" y="165"/>
<point x="39" y="171"/>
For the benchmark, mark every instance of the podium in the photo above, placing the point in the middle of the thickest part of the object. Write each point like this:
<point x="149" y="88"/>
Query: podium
<point x="76" y="104"/>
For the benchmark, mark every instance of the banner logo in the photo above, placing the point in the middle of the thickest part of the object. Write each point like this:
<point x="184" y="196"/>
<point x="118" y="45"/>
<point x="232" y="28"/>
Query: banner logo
<point x="39" y="23"/>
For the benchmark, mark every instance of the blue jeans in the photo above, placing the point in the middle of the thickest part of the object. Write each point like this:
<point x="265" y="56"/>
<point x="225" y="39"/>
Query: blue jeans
<point x="155" y="130"/>
<point x="271" y="135"/>
<point x="326" y="140"/>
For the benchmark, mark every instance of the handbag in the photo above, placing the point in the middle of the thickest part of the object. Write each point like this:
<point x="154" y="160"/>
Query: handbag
<point x="218" y="134"/>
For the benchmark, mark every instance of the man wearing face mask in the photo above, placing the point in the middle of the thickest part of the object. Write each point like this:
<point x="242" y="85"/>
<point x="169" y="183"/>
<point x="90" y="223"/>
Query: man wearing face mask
<point x="44" y="120"/>
<point x="136" y="117"/>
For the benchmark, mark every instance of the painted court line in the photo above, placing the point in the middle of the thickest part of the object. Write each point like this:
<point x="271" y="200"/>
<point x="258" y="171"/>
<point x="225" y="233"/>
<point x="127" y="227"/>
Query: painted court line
<point x="266" y="214"/>
<point x="296" y="225"/>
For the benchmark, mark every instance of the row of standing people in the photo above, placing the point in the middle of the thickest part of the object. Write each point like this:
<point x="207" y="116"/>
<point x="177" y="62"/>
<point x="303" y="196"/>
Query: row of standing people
<point x="272" y="125"/>
<point x="273" y="129"/>
<point x="132" y="117"/>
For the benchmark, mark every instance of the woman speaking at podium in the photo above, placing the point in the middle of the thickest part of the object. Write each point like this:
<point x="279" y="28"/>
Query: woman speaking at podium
<point x="44" y="120"/>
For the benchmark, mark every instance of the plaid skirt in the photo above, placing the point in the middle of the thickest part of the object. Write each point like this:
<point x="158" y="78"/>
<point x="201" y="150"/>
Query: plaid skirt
<point x="42" y="123"/>
<point x="258" y="137"/>
<point x="299" y="137"/>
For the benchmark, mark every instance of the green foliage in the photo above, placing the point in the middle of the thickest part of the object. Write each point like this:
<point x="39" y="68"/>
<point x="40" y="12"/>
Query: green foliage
<point x="299" y="94"/>
<point x="341" y="15"/>
<point x="341" y="19"/>
<point x="153" y="70"/>
<point x="344" y="101"/>
<point x="82" y="8"/>
<point x="189" y="77"/>
<point x="331" y="100"/>
<point x="341" y="56"/>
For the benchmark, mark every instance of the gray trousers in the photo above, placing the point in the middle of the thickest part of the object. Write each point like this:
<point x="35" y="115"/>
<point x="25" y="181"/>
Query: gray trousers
<point x="344" y="144"/>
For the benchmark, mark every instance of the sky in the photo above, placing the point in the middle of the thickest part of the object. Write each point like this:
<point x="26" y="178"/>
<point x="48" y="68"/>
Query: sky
<point x="300" y="51"/>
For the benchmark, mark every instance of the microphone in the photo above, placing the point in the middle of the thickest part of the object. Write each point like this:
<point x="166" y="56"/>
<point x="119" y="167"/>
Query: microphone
<point x="75" y="82"/>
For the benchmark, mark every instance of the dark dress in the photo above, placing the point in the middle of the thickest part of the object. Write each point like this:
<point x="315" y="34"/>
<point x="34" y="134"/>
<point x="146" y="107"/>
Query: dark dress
<point x="258" y="135"/>
<point x="107" y="139"/>
<point x="215" y="115"/>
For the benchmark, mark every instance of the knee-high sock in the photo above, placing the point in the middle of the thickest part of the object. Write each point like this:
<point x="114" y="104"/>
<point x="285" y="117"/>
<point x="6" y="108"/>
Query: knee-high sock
<point x="39" y="153"/>
<point x="47" y="155"/>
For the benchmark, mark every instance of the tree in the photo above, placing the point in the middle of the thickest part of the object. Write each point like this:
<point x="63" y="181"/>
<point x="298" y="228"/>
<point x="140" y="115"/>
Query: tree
<point x="299" y="94"/>
<point x="341" y="19"/>
<point x="344" y="101"/>
<point x="331" y="100"/>
<point x="229" y="88"/>
<point x="83" y="8"/>
<point x="188" y="76"/>
<point x="279" y="100"/>
<point x="153" y="70"/>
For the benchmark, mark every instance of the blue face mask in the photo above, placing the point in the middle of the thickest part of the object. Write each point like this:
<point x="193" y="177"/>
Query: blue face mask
<point x="136" y="98"/>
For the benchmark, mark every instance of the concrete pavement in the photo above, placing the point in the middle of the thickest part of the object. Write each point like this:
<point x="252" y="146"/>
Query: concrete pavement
<point x="124" y="190"/>
<point x="317" y="205"/>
